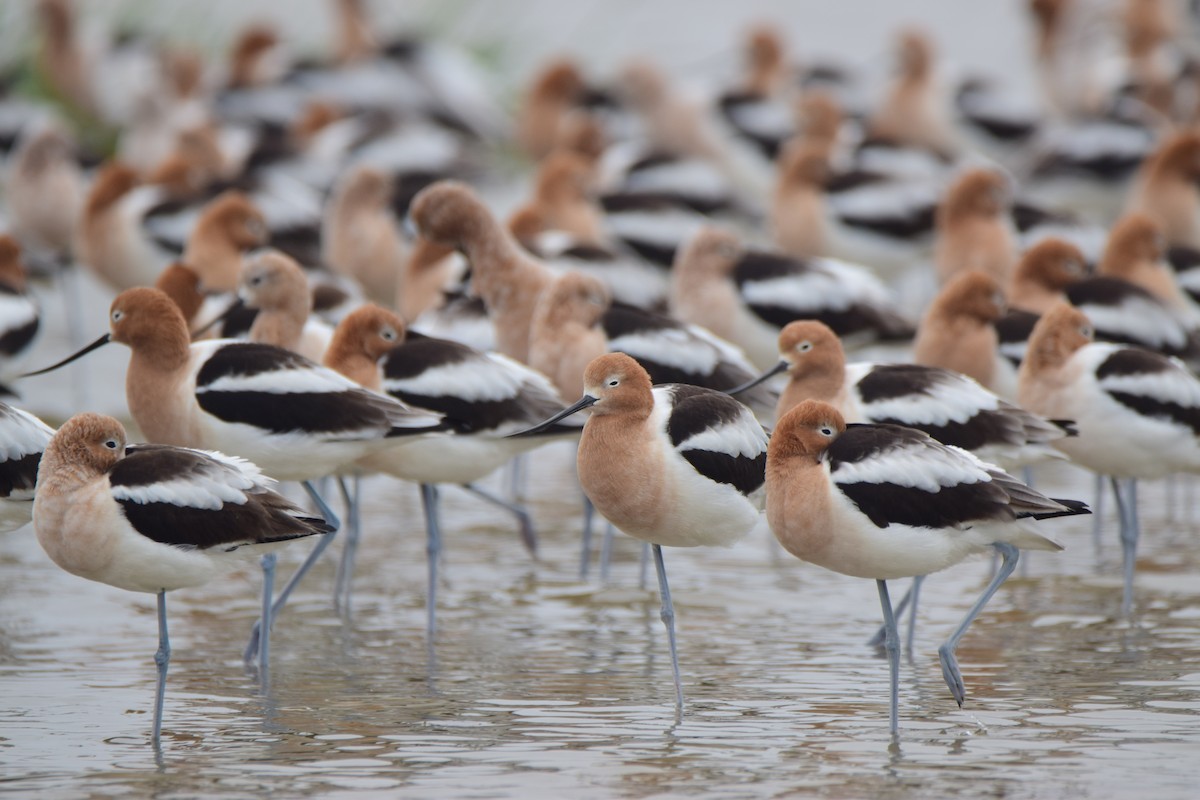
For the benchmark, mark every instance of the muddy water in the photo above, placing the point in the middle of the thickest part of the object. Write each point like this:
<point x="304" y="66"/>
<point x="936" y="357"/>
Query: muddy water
<point x="542" y="685"/>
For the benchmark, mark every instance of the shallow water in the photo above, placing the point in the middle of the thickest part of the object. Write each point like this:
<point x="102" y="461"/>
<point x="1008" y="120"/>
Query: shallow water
<point x="542" y="685"/>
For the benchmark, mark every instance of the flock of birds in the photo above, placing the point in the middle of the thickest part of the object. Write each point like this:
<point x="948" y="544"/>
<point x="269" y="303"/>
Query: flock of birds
<point x="313" y="281"/>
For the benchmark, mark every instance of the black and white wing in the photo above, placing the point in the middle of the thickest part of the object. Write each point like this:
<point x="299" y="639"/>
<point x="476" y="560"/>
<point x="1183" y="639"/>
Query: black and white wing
<point x="717" y="435"/>
<point x="280" y="392"/>
<point x="475" y="392"/>
<point x="200" y="500"/>
<point x="898" y="475"/>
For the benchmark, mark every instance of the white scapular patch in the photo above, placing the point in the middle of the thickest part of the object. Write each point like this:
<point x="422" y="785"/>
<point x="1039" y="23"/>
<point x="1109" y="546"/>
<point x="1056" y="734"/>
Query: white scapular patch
<point x="924" y="467"/>
<point x="477" y="379"/>
<point x="207" y="492"/>
<point x="311" y="380"/>
<point x="1176" y="386"/>
<point x="1142" y="319"/>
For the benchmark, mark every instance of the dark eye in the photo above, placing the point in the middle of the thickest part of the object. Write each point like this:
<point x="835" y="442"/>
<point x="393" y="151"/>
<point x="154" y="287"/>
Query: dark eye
<point x="111" y="444"/>
<point x="804" y="347"/>
<point x="117" y="315"/>
<point x="1086" y="330"/>
<point x="388" y="334"/>
<point x="826" y="430"/>
<point x="613" y="382"/>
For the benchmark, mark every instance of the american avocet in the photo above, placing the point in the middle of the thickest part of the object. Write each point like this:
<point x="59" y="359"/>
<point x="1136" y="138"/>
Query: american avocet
<point x="1135" y="410"/>
<point x="575" y="322"/>
<point x="672" y="465"/>
<point x="564" y="189"/>
<point x="23" y="437"/>
<point x="153" y="518"/>
<point x="1137" y="252"/>
<point x="947" y="405"/>
<point x="360" y="237"/>
<point x="915" y="112"/>
<point x="430" y="274"/>
<point x="20" y="317"/>
<point x="1044" y="273"/>
<point x="799" y="214"/>
<point x="974" y="229"/>
<point x="557" y="89"/>
<point x="1120" y="310"/>
<point x="509" y="281"/>
<point x="885" y="502"/>
<point x="1165" y="188"/>
<point x="885" y="222"/>
<point x="745" y="295"/>
<point x="44" y="191"/>
<point x="1088" y="164"/>
<point x="295" y="419"/>
<point x="111" y="240"/>
<point x="275" y="285"/>
<point x="958" y="332"/>
<point x="228" y="226"/>
<point x="483" y="397"/>
<point x="631" y="279"/>
<point x="757" y="107"/>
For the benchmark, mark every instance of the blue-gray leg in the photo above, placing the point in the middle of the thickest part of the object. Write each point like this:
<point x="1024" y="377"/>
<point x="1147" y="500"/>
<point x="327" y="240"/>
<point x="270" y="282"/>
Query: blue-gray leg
<point x="1126" y="494"/>
<point x="950" y="672"/>
<point x="909" y="601"/>
<point x="585" y="557"/>
<point x="528" y="534"/>
<point x="261" y="631"/>
<point x="345" y="573"/>
<point x="668" y="617"/>
<point x="891" y="643"/>
<point x="162" y="657"/>
<point x="1097" y="514"/>
<point x="433" y="552"/>
<point x="606" y="548"/>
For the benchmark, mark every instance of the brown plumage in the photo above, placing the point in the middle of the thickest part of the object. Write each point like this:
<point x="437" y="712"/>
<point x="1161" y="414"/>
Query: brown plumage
<point x="957" y="331"/>
<point x="449" y="213"/>
<point x="1043" y="274"/>
<point x="913" y="113"/>
<point x="360" y="236"/>
<point x="566" y="333"/>
<point x="227" y="227"/>
<point x="1165" y="189"/>
<point x="1136" y="252"/>
<point x="361" y="339"/>
<point x="973" y="229"/>
<point x="798" y="223"/>
<point x="554" y="91"/>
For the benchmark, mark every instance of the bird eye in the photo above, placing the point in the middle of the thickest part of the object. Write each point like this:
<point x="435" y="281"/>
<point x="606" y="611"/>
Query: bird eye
<point x="388" y="334"/>
<point x="111" y="444"/>
<point x="613" y="382"/>
<point x="804" y="347"/>
<point x="117" y="315"/>
<point x="826" y="430"/>
<point x="1086" y="330"/>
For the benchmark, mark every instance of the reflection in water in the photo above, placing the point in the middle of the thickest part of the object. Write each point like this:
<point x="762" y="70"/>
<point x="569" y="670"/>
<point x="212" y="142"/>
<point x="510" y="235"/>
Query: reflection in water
<point x="544" y="686"/>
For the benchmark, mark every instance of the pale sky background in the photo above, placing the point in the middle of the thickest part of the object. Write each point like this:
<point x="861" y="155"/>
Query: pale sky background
<point x="693" y="38"/>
